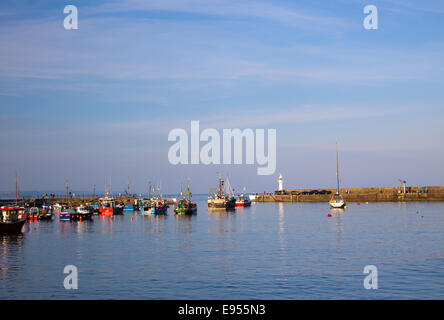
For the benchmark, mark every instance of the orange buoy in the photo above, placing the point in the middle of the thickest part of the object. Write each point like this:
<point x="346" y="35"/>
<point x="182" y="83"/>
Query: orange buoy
<point x="329" y="215"/>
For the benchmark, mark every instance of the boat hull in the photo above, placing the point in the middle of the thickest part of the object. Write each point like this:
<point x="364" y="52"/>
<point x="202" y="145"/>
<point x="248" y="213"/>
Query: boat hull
<point x="337" y="205"/>
<point x="188" y="211"/>
<point x="12" y="227"/>
<point x="154" y="210"/>
<point x="222" y="204"/>
<point x="66" y="216"/>
<point x="110" y="211"/>
<point x="243" y="203"/>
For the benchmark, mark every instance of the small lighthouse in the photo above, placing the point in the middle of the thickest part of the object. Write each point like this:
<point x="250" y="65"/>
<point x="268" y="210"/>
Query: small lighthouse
<point x="281" y="183"/>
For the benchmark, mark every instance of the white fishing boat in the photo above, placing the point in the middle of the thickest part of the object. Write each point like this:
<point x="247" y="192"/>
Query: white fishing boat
<point x="337" y="202"/>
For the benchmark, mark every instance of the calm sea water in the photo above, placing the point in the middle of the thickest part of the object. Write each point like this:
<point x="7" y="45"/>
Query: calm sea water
<point x="267" y="251"/>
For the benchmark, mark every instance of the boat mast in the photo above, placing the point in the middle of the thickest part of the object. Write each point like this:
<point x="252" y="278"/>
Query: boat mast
<point x="66" y="189"/>
<point x="337" y="167"/>
<point x="149" y="189"/>
<point x="221" y="186"/>
<point x="16" y="187"/>
<point x="189" y="193"/>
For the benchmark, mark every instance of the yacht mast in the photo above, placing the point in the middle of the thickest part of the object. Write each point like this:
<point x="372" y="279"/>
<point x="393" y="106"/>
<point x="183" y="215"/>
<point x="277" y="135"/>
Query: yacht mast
<point x="337" y="167"/>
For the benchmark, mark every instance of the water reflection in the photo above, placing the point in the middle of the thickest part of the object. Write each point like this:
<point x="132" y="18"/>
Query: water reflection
<point x="11" y="248"/>
<point x="223" y="217"/>
<point x="337" y="213"/>
<point x="281" y="247"/>
<point x="154" y="222"/>
<point x="183" y="224"/>
<point x="281" y="217"/>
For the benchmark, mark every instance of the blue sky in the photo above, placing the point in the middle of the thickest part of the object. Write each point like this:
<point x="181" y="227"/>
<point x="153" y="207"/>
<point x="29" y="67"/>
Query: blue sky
<point x="97" y="103"/>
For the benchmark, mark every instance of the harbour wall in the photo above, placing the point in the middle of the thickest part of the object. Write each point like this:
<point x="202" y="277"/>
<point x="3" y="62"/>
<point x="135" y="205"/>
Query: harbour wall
<point x="387" y="194"/>
<point x="73" y="201"/>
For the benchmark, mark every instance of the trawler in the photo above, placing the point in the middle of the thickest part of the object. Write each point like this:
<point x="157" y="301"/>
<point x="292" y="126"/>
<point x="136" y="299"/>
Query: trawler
<point x="337" y="202"/>
<point x="11" y="219"/>
<point x="184" y="205"/>
<point x="217" y="199"/>
<point x="84" y="212"/>
<point x="110" y="207"/>
<point x="154" y="206"/>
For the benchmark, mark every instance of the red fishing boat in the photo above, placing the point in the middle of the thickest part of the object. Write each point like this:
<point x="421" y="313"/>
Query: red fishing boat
<point x="243" y="201"/>
<point x="109" y="207"/>
<point x="11" y="219"/>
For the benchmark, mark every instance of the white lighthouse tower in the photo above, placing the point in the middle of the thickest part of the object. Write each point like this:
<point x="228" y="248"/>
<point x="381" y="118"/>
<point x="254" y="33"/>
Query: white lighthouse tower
<point x="281" y="183"/>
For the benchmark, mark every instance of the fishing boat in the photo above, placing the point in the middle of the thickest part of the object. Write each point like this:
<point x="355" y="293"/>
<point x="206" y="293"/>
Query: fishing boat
<point x="84" y="212"/>
<point x="110" y="207"/>
<point x="129" y="208"/>
<point x="33" y="213"/>
<point x="11" y="220"/>
<point x="337" y="202"/>
<point x="68" y="214"/>
<point x="95" y="207"/>
<point x="243" y="201"/>
<point x="44" y="213"/>
<point x="154" y="206"/>
<point x="185" y="205"/>
<point x="217" y="199"/>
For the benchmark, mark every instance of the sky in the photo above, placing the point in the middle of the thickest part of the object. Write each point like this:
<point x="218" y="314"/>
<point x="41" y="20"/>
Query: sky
<point x="96" y="104"/>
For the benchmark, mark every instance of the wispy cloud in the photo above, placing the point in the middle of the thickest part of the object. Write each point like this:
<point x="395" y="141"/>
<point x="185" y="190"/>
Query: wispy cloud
<point x="228" y="8"/>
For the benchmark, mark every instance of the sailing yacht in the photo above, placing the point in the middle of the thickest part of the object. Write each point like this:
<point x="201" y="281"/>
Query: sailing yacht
<point x="337" y="202"/>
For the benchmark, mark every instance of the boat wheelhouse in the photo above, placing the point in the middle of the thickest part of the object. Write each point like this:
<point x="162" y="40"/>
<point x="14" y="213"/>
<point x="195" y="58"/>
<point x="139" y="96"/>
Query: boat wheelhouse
<point x="110" y="207"/>
<point x="11" y="219"/>
<point x="243" y="201"/>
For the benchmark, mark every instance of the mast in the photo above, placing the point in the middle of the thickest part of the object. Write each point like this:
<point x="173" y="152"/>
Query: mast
<point x="16" y="187"/>
<point x="66" y="189"/>
<point x="189" y="193"/>
<point x="94" y="192"/>
<point x="221" y="186"/>
<point x="337" y="167"/>
<point x="149" y="189"/>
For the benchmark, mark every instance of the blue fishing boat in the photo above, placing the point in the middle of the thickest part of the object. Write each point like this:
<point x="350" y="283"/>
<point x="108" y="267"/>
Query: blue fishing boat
<point x="95" y="208"/>
<point x="68" y="215"/>
<point x="128" y="208"/>
<point x="153" y="206"/>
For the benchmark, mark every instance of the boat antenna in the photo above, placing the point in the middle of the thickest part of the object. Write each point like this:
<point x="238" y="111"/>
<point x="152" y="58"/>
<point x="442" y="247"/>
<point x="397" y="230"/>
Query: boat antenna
<point x="337" y="167"/>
